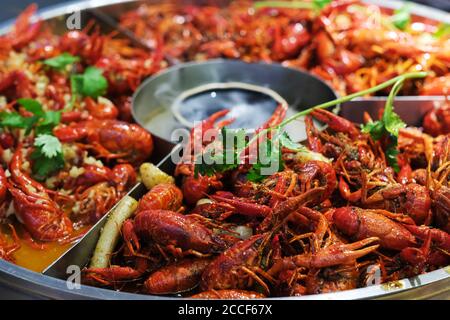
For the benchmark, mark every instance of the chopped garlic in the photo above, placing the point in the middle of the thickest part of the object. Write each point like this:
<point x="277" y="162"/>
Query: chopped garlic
<point x="26" y="166"/>
<point x="93" y="161"/>
<point x="69" y="151"/>
<point x="105" y="101"/>
<point x="50" y="182"/>
<point x="3" y="101"/>
<point x="11" y="211"/>
<point x="7" y="155"/>
<point x="16" y="60"/>
<point x="41" y="85"/>
<point x="75" y="172"/>
<point x="76" y="208"/>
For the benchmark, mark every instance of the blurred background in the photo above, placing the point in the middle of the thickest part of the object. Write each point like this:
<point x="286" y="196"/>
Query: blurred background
<point x="11" y="8"/>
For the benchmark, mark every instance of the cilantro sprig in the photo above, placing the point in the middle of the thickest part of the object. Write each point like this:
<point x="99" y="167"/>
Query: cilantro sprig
<point x="402" y="17"/>
<point x="91" y="83"/>
<point x="62" y="61"/>
<point x="47" y="156"/>
<point x="272" y="159"/>
<point x="391" y="124"/>
<point x="316" y="5"/>
<point x="388" y="127"/>
<point x="42" y="121"/>
<point x="221" y="160"/>
<point x="442" y="31"/>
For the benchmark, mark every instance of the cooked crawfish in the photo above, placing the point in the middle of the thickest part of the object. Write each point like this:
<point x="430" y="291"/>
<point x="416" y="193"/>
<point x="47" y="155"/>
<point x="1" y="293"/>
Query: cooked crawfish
<point x="178" y="277"/>
<point x="3" y="187"/>
<point x="159" y="198"/>
<point x="7" y="248"/>
<point x="236" y="267"/>
<point x="80" y="43"/>
<point x="361" y="224"/>
<point x="195" y="188"/>
<point x="442" y="208"/>
<point x="411" y="199"/>
<point x="40" y="215"/>
<point x="162" y="196"/>
<point x="437" y="120"/>
<point x="110" y="139"/>
<point x="23" y="31"/>
<point x="16" y="84"/>
<point x="176" y="232"/>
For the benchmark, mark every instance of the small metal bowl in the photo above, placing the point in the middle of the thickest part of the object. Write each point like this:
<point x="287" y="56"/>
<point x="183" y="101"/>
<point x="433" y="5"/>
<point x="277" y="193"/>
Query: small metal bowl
<point x="185" y="93"/>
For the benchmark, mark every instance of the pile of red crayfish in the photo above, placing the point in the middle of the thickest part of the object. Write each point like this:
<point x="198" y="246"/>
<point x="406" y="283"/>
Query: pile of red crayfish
<point x="316" y="226"/>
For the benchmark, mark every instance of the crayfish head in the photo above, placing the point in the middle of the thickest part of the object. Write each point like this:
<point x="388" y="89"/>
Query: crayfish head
<point x="346" y="220"/>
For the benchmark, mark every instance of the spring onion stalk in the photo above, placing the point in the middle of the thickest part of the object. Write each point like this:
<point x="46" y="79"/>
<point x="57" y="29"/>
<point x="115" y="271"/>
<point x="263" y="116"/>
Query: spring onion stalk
<point x="332" y="103"/>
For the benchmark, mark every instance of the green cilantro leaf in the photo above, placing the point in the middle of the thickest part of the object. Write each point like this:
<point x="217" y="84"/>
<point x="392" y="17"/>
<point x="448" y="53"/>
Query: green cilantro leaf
<point x="273" y="159"/>
<point x="389" y="127"/>
<point x="47" y="156"/>
<point x="303" y="153"/>
<point x="226" y="159"/>
<point x="391" y="155"/>
<point x="287" y="142"/>
<point x="91" y="83"/>
<point x="218" y="165"/>
<point x="402" y="17"/>
<point x="42" y="121"/>
<point x="442" y="31"/>
<point x="315" y="4"/>
<point x="50" y="120"/>
<point x="376" y="129"/>
<point x="15" y="120"/>
<point x="254" y="173"/>
<point x="392" y="122"/>
<point x="320" y="4"/>
<point x="48" y="144"/>
<point x="12" y="119"/>
<point x="43" y="167"/>
<point x="32" y="106"/>
<point x="62" y="61"/>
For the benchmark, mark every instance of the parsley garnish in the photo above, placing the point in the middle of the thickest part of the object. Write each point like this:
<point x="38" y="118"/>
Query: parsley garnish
<point x="221" y="160"/>
<point x="402" y="17"/>
<point x="42" y="121"/>
<point x="32" y="106"/>
<point x="313" y="5"/>
<point x="47" y="156"/>
<point x="15" y="120"/>
<point x="389" y="127"/>
<point x="50" y="120"/>
<point x="91" y="83"/>
<point x="320" y="4"/>
<point x="62" y="61"/>
<point x="442" y="31"/>
<point x="272" y="159"/>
